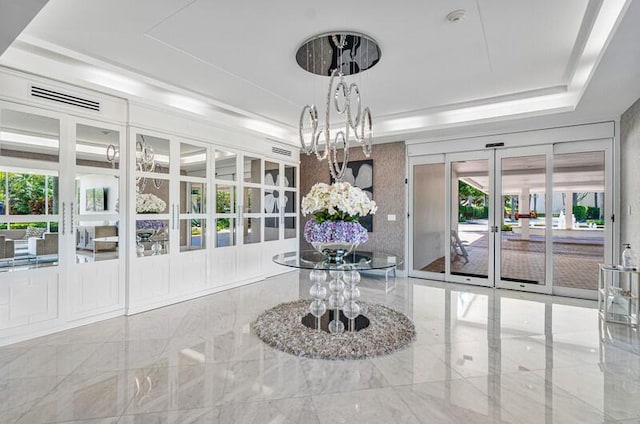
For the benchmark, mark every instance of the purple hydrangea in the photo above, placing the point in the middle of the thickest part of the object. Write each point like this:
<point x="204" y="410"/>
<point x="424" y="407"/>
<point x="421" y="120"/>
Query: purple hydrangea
<point x="150" y="224"/>
<point x="335" y="231"/>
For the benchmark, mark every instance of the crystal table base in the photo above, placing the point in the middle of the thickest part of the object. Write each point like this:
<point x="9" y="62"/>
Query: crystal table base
<point x="342" y="300"/>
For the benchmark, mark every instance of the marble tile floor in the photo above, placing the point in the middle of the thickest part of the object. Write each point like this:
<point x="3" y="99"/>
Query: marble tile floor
<point x="481" y="356"/>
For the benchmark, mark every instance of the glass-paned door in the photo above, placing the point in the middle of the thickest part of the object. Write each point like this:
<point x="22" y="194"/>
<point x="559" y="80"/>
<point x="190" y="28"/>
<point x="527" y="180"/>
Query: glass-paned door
<point x="193" y="197"/>
<point x="31" y="211"/>
<point x="251" y="202"/>
<point x="470" y="238"/>
<point x="289" y="201"/>
<point x="96" y="207"/>
<point x="153" y="203"/>
<point x="272" y="201"/>
<point x="427" y="202"/>
<point x="582" y="210"/>
<point x="226" y="193"/>
<point x="523" y="184"/>
<point x="533" y="218"/>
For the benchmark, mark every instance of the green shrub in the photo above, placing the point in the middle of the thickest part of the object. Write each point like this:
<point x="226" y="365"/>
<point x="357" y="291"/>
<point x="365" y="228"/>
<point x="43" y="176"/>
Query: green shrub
<point x="580" y="212"/>
<point x="593" y="212"/>
<point x="505" y="228"/>
<point x="24" y="225"/>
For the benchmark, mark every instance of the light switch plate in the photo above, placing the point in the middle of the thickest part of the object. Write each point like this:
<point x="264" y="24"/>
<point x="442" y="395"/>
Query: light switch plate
<point x="391" y="217"/>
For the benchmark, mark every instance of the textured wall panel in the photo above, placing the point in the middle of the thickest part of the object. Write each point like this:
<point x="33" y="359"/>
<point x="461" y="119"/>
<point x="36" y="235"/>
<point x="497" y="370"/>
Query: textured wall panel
<point x="630" y="176"/>
<point x="388" y="190"/>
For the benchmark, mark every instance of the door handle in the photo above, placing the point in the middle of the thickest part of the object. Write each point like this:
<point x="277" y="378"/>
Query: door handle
<point x="64" y="218"/>
<point x="72" y="219"/>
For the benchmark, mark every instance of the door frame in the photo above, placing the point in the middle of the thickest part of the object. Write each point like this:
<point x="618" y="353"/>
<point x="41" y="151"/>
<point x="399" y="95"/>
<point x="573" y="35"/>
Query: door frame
<point x="610" y="201"/>
<point x="489" y="156"/>
<point x="514" y="152"/>
<point x="416" y="161"/>
<point x="419" y="156"/>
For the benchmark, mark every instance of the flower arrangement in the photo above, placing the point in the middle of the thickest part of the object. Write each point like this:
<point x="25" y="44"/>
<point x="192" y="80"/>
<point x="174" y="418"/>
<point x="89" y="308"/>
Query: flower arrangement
<point x="149" y="203"/>
<point x="337" y="202"/>
<point x="335" y="229"/>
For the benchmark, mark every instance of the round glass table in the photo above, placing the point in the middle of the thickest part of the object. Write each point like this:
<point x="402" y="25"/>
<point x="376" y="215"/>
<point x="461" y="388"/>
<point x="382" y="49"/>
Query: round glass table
<point x="341" y="311"/>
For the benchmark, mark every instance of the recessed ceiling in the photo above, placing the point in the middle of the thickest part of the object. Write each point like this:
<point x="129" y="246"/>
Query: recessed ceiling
<point x="505" y="58"/>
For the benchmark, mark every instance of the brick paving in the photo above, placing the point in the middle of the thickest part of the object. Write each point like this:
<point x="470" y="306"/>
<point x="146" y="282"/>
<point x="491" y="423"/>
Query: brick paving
<point x="575" y="261"/>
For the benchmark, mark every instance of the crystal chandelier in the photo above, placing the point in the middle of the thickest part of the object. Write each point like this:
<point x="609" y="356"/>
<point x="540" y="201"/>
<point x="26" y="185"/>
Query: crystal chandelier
<point x="337" y="55"/>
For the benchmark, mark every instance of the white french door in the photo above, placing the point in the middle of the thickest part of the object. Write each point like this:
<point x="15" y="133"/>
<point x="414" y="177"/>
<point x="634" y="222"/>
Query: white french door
<point x="533" y="218"/>
<point x="96" y="235"/>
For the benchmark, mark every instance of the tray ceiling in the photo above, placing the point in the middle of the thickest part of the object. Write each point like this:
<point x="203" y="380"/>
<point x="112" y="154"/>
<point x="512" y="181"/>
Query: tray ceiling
<point x="505" y="58"/>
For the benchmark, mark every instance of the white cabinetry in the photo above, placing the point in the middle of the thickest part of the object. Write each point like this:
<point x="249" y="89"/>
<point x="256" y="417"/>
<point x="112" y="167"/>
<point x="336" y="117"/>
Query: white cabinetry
<point x="223" y="216"/>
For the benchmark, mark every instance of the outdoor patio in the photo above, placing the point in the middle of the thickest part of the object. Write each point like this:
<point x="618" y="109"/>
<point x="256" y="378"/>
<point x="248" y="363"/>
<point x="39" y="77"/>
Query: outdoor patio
<point x="575" y="260"/>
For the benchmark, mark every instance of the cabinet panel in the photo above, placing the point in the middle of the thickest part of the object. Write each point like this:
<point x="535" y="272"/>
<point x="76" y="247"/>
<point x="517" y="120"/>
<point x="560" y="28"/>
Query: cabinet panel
<point x="189" y="273"/>
<point x="250" y="261"/>
<point x="29" y="298"/>
<point x="223" y="269"/>
<point x="150" y="279"/>
<point x="90" y="295"/>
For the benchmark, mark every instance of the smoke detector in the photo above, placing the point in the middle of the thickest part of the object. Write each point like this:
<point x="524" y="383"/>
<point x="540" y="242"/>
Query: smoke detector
<point x="456" y="16"/>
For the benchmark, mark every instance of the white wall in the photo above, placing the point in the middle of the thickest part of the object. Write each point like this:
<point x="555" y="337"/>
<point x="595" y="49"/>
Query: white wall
<point x="99" y="181"/>
<point x="630" y="176"/>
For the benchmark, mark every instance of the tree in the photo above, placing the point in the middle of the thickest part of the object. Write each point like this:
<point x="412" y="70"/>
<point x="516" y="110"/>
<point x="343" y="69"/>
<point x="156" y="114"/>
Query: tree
<point x="28" y="194"/>
<point x="467" y="192"/>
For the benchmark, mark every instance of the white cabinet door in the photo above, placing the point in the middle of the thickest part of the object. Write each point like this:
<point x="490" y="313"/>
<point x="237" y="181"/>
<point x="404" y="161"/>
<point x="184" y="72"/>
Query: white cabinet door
<point x="30" y="301"/>
<point x="97" y="216"/>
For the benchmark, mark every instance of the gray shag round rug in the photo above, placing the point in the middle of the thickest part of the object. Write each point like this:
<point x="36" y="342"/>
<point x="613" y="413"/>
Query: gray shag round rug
<point x="281" y="328"/>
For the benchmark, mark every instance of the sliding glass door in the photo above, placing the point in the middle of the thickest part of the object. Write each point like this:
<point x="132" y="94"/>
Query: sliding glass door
<point x="527" y="218"/>
<point x="470" y="238"/>
<point x="523" y="185"/>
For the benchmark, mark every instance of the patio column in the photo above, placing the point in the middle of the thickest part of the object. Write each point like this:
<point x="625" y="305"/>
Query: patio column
<point x="568" y="212"/>
<point x="524" y="210"/>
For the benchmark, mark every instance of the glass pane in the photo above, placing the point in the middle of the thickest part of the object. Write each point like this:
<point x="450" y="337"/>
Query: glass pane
<point x="288" y="199"/>
<point x="28" y="245"/>
<point x="469" y="218"/>
<point x="3" y="189"/>
<point x="192" y="234"/>
<point x="252" y="172"/>
<point x="225" y="232"/>
<point x="271" y="173"/>
<point x="429" y="218"/>
<point x="226" y="165"/>
<point x="152" y="236"/>
<point x="251" y="200"/>
<point x="96" y="217"/>
<point x="271" y="228"/>
<point x="225" y="199"/>
<point x="578" y="219"/>
<point x="152" y="195"/>
<point x="289" y="176"/>
<point x="192" y="197"/>
<point x="32" y="194"/>
<point x="193" y="161"/>
<point x="523" y="232"/>
<point x="152" y="154"/>
<point x="97" y="147"/>
<point x="27" y="136"/>
<point x="290" y="228"/>
<point x="251" y="230"/>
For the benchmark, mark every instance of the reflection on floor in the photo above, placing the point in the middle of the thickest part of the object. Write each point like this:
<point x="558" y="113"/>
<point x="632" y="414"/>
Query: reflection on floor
<point x="481" y="356"/>
<point x="575" y="260"/>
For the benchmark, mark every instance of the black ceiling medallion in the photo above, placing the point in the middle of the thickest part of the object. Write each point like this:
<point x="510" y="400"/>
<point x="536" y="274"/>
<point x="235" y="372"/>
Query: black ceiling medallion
<point x="350" y="52"/>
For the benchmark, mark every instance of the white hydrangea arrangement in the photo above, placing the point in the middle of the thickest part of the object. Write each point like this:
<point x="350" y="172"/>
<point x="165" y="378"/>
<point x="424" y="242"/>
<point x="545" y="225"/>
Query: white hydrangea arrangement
<point x="339" y="201"/>
<point x="149" y="203"/>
